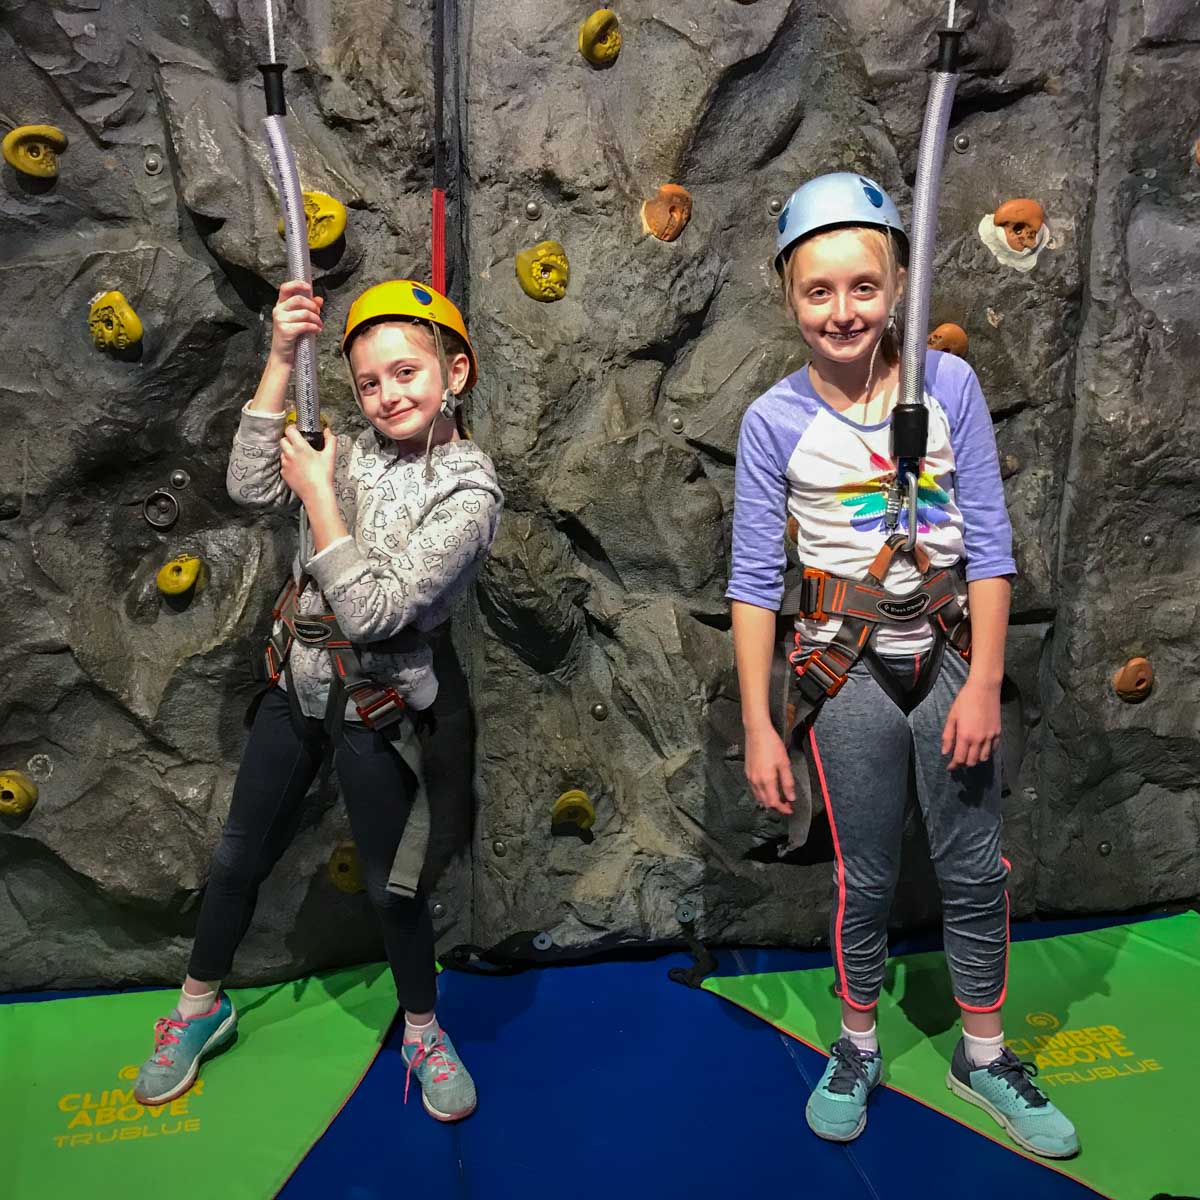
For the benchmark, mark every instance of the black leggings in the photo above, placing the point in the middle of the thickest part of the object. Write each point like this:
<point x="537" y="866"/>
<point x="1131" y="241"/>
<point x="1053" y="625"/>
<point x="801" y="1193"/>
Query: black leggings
<point x="278" y="767"/>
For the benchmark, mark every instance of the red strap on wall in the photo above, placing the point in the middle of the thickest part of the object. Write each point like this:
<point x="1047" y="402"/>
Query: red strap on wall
<point x="439" y="240"/>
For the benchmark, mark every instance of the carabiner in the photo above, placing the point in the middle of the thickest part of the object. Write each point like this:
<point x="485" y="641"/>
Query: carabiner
<point x="911" y="540"/>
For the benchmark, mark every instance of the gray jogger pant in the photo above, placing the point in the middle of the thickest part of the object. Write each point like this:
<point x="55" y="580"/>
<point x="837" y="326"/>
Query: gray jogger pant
<point x="862" y="744"/>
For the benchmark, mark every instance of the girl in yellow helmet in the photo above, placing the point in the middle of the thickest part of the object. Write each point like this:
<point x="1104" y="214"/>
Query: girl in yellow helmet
<point x="400" y="518"/>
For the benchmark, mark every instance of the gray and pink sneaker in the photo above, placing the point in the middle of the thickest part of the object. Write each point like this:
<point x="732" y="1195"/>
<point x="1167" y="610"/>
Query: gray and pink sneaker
<point x="447" y="1089"/>
<point x="179" y="1045"/>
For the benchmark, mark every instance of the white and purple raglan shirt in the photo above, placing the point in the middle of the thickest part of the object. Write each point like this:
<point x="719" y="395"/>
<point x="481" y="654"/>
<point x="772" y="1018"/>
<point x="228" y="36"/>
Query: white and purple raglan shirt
<point x="798" y="457"/>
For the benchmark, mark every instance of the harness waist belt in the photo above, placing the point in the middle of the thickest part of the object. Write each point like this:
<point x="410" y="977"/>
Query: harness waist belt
<point x="380" y="708"/>
<point x="801" y="684"/>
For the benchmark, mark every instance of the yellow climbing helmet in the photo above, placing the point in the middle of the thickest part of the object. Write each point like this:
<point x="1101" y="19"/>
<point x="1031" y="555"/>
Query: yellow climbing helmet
<point x="407" y="299"/>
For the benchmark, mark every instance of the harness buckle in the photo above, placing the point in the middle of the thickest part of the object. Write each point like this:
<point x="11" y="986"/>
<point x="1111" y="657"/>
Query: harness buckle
<point x="959" y="636"/>
<point x="819" y="672"/>
<point x="284" y="599"/>
<point x="274" y="658"/>
<point x="812" y="594"/>
<point x="379" y="708"/>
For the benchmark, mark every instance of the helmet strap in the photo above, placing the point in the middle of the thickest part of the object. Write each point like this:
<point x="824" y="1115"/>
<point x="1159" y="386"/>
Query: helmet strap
<point x="429" y="453"/>
<point x="443" y="366"/>
<point x="353" y="385"/>
<point x="449" y="398"/>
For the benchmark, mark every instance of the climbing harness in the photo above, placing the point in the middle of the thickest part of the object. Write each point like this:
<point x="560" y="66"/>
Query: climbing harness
<point x="804" y="679"/>
<point x="864" y="605"/>
<point x="381" y="709"/>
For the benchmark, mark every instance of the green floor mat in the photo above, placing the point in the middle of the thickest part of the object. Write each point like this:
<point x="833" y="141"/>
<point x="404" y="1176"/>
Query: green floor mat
<point x="71" y="1125"/>
<point x="1109" y="1017"/>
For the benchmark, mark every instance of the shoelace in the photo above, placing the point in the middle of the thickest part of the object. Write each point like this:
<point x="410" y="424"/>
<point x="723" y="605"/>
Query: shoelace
<point x="438" y="1055"/>
<point x="163" y="1037"/>
<point x="1019" y="1074"/>
<point x="850" y="1069"/>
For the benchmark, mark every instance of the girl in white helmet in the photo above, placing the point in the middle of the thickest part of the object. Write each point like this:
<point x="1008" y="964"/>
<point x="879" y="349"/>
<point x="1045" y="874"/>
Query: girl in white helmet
<point x="890" y="676"/>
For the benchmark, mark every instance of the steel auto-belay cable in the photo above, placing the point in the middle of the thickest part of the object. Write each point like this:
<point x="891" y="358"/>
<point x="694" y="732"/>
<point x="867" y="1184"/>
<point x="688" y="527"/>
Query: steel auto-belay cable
<point x="295" y="224"/>
<point x="910" y="419"/>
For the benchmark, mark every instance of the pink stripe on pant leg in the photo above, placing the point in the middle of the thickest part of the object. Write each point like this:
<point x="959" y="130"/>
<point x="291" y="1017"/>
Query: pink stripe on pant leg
<point x="841" y="879"/>
<point x="975" y="1008"/>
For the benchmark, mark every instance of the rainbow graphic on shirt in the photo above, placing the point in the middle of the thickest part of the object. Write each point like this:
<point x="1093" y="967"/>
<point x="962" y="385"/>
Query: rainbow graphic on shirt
<point x="869" y="498"/>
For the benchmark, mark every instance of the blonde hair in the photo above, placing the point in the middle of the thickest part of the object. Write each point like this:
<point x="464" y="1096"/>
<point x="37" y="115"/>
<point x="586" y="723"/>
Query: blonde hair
<point x="884" y="246"/>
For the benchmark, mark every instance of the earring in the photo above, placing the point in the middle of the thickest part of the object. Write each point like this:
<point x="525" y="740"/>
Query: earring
<point x="448" y="403"/>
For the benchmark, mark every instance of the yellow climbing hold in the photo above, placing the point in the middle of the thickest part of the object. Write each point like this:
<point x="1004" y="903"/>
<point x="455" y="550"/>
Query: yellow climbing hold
<point x="18" y="793"/>
<point x="573" y="808"/>
<point x="179" y="575"/>
<point x="112" y="322"/>
<point x="34" y="149"/>
<point x="291" y="419"/>
<point x="600" y="38"/>
<point x="326" y="217"/>
<point x="344" y="869"/>
<point x="544" y="272"/>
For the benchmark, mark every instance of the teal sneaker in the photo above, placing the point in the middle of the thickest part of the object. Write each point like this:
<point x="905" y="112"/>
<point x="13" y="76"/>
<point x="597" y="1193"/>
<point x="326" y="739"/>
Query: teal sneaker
<point x="447" y="1089"/>
<point x="1005" y="1089"/>
<point x="179" y="1046"/>
<point x="837" y="1109"/>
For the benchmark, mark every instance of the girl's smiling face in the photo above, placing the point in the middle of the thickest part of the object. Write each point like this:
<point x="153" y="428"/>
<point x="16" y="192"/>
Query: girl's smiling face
<point x="842" y="287"/>
<point x="399" y="383"/>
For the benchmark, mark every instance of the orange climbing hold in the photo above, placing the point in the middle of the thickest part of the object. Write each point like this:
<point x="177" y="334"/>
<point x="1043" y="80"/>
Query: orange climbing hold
<point x="951" y="338"/>
<point x="1134" y="681"/>
<point x="667" y="215"/>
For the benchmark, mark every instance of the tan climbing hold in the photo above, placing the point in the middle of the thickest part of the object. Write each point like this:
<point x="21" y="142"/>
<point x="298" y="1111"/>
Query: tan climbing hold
<point x="1134" y="681"/>
<point x="667" y="215"/>
<point x="1022" y="222"/>
<point x="951" y="338"/>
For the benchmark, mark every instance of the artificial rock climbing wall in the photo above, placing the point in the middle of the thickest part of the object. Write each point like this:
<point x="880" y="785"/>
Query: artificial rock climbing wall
<point x="620" y="342"/>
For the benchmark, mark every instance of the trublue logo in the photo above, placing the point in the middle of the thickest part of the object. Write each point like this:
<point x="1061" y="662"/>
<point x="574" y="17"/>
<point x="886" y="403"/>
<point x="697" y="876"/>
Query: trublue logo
<point x="872" y="192"/>
<point x="422" y="295"/>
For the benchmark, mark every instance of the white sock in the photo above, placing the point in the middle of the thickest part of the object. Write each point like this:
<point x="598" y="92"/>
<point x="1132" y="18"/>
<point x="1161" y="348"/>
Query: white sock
<point x="865" y="1041"/>
<point x="196" y="1006"/>
<point x="412" y="1033"/>
<point x="982" y="1051"/>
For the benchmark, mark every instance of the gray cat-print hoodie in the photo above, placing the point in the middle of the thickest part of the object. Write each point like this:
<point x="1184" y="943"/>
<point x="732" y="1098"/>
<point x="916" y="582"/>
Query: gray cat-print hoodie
<point x="414" y="547"/>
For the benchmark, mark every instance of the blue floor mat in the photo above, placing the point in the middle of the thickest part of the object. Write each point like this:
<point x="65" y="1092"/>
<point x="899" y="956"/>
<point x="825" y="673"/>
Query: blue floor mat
<point x="608" y="1081"/>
